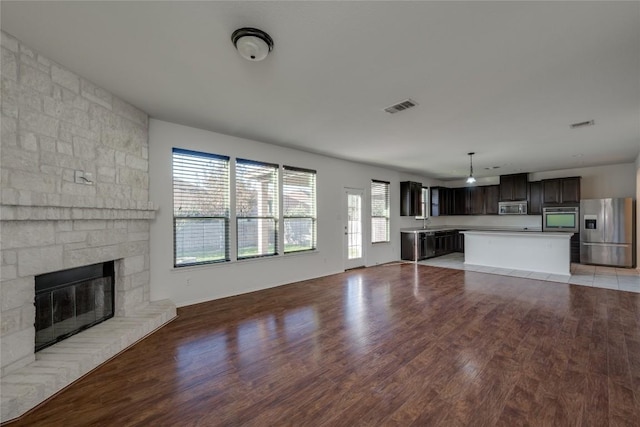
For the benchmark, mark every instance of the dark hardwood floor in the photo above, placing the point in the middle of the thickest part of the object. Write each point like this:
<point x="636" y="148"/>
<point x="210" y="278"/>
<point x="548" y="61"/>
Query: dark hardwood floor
<point x="398" y="344"/>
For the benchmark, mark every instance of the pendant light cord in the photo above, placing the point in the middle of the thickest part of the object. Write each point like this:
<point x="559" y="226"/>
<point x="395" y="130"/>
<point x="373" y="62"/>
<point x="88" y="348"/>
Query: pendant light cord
<point x="471" y="179"/>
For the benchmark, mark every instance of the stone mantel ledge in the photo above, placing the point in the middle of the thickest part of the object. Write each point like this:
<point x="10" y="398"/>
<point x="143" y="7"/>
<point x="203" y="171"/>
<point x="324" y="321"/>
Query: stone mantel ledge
<point x="62" y="213"/>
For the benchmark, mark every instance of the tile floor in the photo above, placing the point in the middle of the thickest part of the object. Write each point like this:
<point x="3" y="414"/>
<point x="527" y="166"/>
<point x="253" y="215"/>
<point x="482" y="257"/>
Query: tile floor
<point x="623" y="279"/>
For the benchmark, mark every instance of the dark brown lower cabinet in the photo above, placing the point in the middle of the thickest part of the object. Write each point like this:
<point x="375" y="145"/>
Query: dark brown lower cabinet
<point x="575" y="248"/>
<point x="459" y="242"/>
<point x="447" y="242"/>
<point x="416" y="246"/>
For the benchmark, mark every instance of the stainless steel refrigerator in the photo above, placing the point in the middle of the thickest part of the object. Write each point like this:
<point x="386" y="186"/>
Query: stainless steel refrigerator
<point x="607" y="230"/>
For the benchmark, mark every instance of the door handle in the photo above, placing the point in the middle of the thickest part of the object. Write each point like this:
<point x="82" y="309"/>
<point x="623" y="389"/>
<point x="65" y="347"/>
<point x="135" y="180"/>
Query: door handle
<point x="618" y="245"/>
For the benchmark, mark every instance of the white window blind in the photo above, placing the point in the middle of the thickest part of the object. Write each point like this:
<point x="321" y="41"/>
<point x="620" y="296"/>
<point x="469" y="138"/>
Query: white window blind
<point x="200" y="207"/>
<point x="256" y="208"/>
<point x="379" y="211"/>
<point x="299" y="213"/>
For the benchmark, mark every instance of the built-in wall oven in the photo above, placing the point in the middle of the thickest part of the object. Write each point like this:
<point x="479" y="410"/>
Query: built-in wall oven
<point x="565" y="218"/>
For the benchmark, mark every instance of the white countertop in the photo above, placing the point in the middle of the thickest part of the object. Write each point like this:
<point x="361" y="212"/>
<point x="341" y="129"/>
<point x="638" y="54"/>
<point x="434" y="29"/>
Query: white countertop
<point x="526" y="234"/>
<point x="470" y="228"/>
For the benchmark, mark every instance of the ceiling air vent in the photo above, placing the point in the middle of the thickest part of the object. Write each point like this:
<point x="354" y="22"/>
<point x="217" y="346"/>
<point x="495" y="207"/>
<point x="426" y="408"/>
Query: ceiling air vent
<point x="582" y="124"/>
<point x="400" y="106"/>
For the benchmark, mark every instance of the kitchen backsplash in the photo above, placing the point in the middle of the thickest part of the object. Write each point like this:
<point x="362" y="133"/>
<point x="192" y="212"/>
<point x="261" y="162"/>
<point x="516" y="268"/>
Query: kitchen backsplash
<point x="529" y="221"/>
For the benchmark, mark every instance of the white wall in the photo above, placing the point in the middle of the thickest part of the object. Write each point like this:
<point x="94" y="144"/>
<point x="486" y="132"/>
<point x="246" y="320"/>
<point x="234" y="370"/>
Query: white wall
<point x="188" y="285"/>
<point x="598" y="181"/>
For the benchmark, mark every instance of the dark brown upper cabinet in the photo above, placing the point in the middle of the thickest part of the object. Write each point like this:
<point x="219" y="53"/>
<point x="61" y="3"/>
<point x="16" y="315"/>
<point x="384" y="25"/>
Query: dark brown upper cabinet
<point x="570" y="190"/>
<point x="476" y="200"/>
<point x="551" y="191"/>
<point x="514" y="187"/>
<point x="441" y="201"/>
<point x="482" y="200"/>
<point x="434" y="196"/>
<point x="446" y="201"/>
<point x="459" y="201"/>
<point x="410" y="198"/>
<point x="561" y="191"/>
<point x="535" y="198"/>
<point x="491" y="198"/>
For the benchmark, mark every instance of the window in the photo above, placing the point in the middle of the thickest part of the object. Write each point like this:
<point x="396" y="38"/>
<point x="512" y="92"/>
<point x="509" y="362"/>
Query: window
<point x="299" y="213"/>
<point x="200" y="208"/>
<point x="256" y="208"/>
<point x="379" y="211"/>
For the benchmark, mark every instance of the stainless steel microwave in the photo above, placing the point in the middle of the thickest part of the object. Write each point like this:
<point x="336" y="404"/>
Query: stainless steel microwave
<point x="512" y="208"/>
<point x="561" y="219"/>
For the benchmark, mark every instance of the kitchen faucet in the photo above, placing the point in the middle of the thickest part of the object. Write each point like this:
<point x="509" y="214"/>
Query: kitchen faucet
<point x="425" y="221"/>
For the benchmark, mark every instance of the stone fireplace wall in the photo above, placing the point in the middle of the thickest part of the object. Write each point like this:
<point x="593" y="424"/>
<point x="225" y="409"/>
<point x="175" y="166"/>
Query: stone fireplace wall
<point x="55" y="123"/>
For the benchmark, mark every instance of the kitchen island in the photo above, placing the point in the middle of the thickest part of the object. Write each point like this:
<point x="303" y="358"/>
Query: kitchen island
<point x="544" y="252"/>
<point x="427" y="242"/>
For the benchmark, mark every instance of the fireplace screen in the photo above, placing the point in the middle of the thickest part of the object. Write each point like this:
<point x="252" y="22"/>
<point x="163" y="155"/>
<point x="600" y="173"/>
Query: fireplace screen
<point x="70" y="301"/>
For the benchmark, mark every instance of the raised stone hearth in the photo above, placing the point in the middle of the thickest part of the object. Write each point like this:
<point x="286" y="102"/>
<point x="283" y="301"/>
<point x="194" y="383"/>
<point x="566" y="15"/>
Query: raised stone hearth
<point x="61" y="364"/>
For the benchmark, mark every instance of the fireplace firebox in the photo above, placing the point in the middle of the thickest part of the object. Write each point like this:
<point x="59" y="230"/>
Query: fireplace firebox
<point x="71" y="301"/>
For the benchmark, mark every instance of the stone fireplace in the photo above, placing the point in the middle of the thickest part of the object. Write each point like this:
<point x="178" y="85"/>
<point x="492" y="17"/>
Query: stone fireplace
<point x="33" y="238"/>
<point x="75" y="192"/>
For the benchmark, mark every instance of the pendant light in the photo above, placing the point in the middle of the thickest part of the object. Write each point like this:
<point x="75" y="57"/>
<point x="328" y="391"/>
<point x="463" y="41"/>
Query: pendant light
<point x="471" y="179"/>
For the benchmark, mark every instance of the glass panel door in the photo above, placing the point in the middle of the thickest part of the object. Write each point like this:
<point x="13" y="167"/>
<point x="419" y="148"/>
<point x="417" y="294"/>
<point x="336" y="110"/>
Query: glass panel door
<point x="354" y="256"/>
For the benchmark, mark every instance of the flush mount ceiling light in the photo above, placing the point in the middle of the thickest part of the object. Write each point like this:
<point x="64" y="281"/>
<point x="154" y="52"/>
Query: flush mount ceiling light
<point x="252" y="44"/>
<point x="471" y="179"/>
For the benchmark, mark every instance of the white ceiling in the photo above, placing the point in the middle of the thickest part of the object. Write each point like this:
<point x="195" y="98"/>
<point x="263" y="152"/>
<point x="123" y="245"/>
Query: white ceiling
<point x="503" y="79"/>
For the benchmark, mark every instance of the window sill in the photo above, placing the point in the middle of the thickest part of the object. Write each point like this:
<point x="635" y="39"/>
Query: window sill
<point x="247" y="260"/>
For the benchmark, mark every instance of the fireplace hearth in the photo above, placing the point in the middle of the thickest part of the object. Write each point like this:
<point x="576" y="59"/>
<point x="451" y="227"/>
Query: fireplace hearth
<point x="70" y="301"/>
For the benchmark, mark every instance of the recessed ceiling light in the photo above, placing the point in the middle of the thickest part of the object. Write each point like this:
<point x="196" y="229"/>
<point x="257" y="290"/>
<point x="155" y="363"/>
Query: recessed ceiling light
<point x="492" y="168"/>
